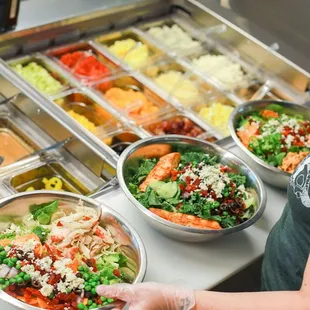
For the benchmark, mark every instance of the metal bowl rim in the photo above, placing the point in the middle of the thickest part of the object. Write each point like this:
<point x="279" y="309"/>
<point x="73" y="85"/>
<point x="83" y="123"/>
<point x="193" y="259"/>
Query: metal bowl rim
<point x="233" y="134"/>
<point x="147" y="141"/>
<point x="140" y="245"/>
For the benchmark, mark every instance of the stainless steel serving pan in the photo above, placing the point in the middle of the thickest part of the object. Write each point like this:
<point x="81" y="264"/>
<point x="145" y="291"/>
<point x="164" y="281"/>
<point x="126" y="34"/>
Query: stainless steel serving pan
<point x="131" y="243"/>
<point x="268" y="173"/>
<point x="179" y="232"/>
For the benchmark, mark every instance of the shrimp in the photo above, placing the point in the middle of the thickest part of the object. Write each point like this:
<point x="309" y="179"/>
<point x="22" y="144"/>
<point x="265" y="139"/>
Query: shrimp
<point x="247" y="133"/>
<point x="162" y="169"/>
<point x="186" y="220"/>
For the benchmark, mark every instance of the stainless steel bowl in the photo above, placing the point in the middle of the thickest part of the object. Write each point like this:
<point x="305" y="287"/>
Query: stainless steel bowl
<point x="182" y="233"/>
<point x="271" y="175"/>
<point x="131" y="243"/>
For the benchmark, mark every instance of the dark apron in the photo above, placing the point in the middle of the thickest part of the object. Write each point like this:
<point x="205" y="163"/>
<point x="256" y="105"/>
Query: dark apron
<point x="288" y="245"/>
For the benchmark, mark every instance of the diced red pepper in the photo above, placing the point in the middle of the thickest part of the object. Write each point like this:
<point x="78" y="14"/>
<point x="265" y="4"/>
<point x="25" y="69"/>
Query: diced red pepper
<point x="117" y="273"/>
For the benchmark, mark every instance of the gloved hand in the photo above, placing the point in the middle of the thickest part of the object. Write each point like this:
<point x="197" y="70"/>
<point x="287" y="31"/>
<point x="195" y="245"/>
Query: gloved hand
<point x="150" y="296"/>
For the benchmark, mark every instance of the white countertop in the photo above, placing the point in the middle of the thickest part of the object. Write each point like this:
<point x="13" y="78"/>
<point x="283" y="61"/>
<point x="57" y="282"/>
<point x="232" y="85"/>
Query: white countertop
<point x="200" y="265"/>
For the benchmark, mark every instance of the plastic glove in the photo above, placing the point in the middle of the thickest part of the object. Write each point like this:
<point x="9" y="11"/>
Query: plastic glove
<point x="150" y="296"/>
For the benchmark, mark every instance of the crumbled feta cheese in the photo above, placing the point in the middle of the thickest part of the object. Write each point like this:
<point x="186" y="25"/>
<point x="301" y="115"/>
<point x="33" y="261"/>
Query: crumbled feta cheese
<point x="289" y="139"/>
<point x="12" y="229"/>
<point x="47" y="289"/>
<point x="44" y="263"/>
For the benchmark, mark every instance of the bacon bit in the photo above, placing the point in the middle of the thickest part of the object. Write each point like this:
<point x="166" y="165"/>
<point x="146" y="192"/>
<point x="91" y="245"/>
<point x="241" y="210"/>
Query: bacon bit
<point x="86" y="218"/>
<point x="59" y="224"/>
<point x="117" y="273"/>
<point x="284" y="149"/>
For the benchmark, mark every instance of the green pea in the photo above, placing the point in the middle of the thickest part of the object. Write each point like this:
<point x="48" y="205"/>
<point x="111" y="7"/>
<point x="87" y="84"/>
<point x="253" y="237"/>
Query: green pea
<point x="12" y="281"/>
<point x="5" y="261"/>
<point x="14" y="259"/>
<point x="22" y="274"/>
<point x="81" y="306"/>
<point x="7" y="283"/>
<point x="87" y="288"/>
<point x="93" y="291"/>
<point x="27" y="277"/>
<point x="110" y="300"/>
<point x="10" y="245"/>
<point x="102" y="298"/>
<point x="20" y="280"/>
<point x="51" y="296"/>
<point x="96" y="278"/>
<point x="1" y="248"/>
<point x="68" y="291"/>
<point x="80" y="268"/>
<point x="94" y="305"/>
<point x="11" y="264"/>
<point x="105" y="303"/>
<point x="93" y="283"/>
<point x="90" y="302"/>
<point x="86" y="276"/>
<point x="18" y="266"/>
<point x="226" y="194"/>
<point x="2" y="280"/>
<point x="3" y="254"/>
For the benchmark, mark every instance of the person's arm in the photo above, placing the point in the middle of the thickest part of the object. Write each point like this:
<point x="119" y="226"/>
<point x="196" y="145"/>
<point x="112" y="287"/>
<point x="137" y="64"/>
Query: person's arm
<point x="155" y="296"/>
<point x="299" y="300"/>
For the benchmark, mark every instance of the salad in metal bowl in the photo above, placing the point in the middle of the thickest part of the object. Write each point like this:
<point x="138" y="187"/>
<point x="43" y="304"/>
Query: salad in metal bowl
<point x="193" y="189"/>
<point x="55" y="255"/>
<point x="279" y="139"/>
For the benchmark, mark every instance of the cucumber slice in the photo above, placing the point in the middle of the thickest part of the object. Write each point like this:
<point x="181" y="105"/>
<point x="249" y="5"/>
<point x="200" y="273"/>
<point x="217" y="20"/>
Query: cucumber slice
<point x="165" y="190"/>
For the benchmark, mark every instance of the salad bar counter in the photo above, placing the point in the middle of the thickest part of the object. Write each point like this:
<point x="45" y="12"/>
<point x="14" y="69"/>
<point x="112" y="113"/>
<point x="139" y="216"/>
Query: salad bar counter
<point x="151" y="92"/>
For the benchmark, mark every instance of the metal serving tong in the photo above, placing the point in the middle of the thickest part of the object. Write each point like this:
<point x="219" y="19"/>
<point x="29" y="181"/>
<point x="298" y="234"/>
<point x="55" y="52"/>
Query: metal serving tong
<point x="98" y="191"/>
<point x="42" y="152"/>
<point x="1" y="160"/>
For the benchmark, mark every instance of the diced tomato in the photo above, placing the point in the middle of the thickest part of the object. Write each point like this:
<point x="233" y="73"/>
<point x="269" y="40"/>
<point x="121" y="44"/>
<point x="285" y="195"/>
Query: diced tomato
<point x="182" y="187"/>
<point x="204" y="193"/>
<point x="117" y="273"/>
<point x="59" y="224"/>
<point x="86" y="218"/>
<point x="188" y="180"/>
<point x="302" y="131"/>
<point x="196" y="182"/>
<point x="297" y="142"/>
